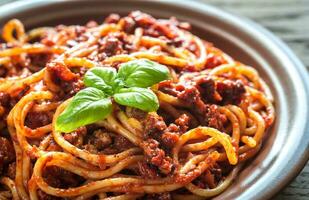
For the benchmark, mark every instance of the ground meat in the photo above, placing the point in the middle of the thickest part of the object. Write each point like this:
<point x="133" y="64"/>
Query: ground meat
<point x="70" y="89"/>
<point x="154" y="127"/>
<point x="213" y="61"/>
<point x="142" y="19"/>
<point x="151" y="26"/>
<point x="177" y="42"/>
<point x="3" y="72"/>
<point x="59" y="73"/>
<point x="112" y="19"/>
<point x="37" y="119"/>
<point x="76" y="137"/>
<point x="214" y="118"/>
<point x="231" y="91"/>
<point x="156" y="156"/>
<point x="47" y="39"/>
<point x="198" y="94"/>
<point x="183" y="122"/>
<point x="11" y="170"/>
<point x="210" y="178"/>
<point x="100" y="139"/>
<point x="110" y="144"/>
<point x="91" y="148"/>
<point x="151" y="31"/>
<point x="38" y="61"/>
<point x="190" y="94"/>
<point x="19" y="62"/>
<point x="64" y="34"/>
<point x="4" y="99"/>
<point x="7" y="153"/>
<point x="160" y="196"/>
<point x="166" y="30"/>
<point x="65" y="79"/>
<point x="136" y="113"/>
<point x="53" y="146"/>
<point x="170" y="136"/>
<point x="147" y="171"/>
<point x="43" y="196"/>
<point x="205" y="180"/>
<point x="60" y="178"/>
<point x="110" y="46"/>
<point x="121" y="143"/>
<point x="217" y="172"/>
<point x="168" y="118"/>
<point x="129" y="25"/>
<point x="207" y="88"/>
<point x="170" y="88"/>
<point x="182" y="25"/>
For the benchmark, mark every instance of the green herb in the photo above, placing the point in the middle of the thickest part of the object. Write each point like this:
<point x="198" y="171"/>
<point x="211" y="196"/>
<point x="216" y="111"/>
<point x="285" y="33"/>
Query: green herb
<point x="101" y="78"/>
<point x="88" y="106"/>
<point x="128" y="87"/>
<point x="142" y="73"/>
<point x="141" y="98"/>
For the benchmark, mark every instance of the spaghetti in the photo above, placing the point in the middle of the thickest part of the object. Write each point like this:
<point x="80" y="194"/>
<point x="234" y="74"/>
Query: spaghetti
<point x="213" y="114"/>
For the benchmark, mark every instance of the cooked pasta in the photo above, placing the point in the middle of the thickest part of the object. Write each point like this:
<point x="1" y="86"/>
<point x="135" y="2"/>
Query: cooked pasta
<point x="212" y="115"/>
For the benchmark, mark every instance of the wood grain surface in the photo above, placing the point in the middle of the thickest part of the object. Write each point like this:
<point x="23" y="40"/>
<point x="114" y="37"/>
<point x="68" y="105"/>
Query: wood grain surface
<point x="289" y="20"/>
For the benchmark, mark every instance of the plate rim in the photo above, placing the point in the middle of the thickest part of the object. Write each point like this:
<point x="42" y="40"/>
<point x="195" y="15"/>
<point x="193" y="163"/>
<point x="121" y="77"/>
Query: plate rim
<point x="248" y="25"/>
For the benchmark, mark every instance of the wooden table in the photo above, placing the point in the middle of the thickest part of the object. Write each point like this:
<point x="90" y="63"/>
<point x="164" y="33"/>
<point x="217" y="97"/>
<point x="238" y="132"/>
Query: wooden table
<point x="289" y="20"/>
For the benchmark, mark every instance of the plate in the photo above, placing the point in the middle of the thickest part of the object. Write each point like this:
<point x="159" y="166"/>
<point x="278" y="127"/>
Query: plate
<point x="285" y="150"/>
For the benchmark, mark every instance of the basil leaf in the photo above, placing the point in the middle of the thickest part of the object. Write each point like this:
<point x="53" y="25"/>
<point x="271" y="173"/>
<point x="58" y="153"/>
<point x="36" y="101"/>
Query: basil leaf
<point x="88" y="106"/>
<point x="141" y="98"/>
<point x="142" y="73"/>
<point x="101" y="78"/>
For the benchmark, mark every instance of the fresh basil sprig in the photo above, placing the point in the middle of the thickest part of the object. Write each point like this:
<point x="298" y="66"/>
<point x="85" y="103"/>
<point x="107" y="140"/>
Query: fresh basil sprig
<point x="88" y="106"/>
<point x="128" y="87"/>
<point x="101" y="78"/>
<point x="142" y="73"/>
<point x="141" y="98"/>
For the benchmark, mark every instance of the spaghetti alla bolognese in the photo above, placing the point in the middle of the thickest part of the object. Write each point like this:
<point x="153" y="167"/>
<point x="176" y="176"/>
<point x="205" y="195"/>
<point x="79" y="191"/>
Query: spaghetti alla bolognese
<point x="133" y="108"/>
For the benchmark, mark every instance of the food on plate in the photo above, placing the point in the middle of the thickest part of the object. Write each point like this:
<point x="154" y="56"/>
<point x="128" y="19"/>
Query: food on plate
<point x="133" y="108"/>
